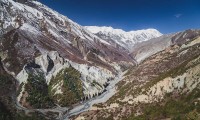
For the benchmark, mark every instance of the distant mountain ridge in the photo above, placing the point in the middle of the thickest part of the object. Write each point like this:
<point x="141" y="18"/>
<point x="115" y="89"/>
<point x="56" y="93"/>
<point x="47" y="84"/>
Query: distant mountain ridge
<point x="122" y="39"/>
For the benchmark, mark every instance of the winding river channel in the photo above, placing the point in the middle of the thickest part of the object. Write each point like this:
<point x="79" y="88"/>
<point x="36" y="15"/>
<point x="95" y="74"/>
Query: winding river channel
<point x="110" y="91"/>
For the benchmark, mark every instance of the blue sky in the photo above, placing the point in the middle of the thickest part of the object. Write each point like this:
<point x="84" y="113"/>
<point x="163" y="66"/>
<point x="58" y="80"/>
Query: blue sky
<point x="167" y="16"/>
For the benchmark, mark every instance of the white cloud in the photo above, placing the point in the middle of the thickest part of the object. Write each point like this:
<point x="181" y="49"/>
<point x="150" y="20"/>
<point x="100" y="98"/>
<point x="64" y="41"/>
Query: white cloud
<point x="178" y="15"/>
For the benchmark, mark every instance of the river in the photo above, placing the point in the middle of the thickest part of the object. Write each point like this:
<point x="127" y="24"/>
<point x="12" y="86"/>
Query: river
<point x="110" y="91"/>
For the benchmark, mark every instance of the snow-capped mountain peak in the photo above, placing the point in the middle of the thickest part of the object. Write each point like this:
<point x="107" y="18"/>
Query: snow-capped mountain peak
<point x="123" y="38"/>
<point x="104" y="29"/>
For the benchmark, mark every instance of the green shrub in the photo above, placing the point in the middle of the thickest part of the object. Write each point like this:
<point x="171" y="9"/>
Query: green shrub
<point x="37" y="89"/>
<point x="72" y="87"/>
<point x="176" y="109"/>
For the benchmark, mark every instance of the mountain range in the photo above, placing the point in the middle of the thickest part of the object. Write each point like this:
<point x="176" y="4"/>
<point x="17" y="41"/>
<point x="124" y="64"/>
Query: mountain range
<point x="51" y="67"/>
<point x="122" y="39"/>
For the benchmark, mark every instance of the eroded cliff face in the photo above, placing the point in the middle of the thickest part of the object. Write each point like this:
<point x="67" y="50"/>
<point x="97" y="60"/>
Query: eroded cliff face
<point x="59" y="76"/>
<point x="164" y="85"/>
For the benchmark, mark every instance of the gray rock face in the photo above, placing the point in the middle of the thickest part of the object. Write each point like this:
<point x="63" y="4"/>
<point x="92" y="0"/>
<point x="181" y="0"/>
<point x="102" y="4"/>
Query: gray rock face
<point x="93" y="78"/>
<point x="145" y="49"/>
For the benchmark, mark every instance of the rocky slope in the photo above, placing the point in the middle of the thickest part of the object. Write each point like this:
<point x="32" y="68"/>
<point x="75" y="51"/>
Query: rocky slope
<point x="35" y="28"/>
<point x="121" y="39"/>
<point x="8" y="93"/>
<point x="60" y="78"/>
<point x="50" y="57"/>
<point x="143" y="50"/>
<point x="50" y="64"/>
<point x="163" y="86"/>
